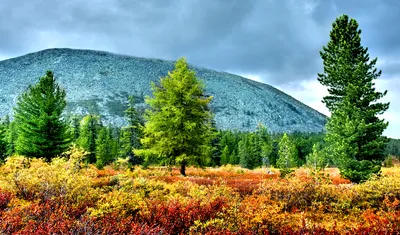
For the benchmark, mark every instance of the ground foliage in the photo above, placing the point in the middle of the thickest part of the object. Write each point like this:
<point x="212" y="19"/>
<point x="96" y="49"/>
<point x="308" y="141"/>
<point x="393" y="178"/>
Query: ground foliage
<point x="70" y="197"/>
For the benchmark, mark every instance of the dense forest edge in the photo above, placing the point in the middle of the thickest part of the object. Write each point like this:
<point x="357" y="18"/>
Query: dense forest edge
<point x="171" y="171"/>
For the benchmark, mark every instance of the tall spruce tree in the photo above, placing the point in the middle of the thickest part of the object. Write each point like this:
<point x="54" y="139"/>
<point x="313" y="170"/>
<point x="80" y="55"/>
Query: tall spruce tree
<point x="354" y="131"/>
<point x="42" y="132"/>
<point x="178" y="123"/>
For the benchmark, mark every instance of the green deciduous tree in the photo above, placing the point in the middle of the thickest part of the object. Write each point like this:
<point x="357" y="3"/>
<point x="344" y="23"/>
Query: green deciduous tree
<point x="178" y="123"/>
<point x="354" y="131"/>
<point x="42" y="132"/>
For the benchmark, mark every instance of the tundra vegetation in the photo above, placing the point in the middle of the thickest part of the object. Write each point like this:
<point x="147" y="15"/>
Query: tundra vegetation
<point x="171" y="171"/>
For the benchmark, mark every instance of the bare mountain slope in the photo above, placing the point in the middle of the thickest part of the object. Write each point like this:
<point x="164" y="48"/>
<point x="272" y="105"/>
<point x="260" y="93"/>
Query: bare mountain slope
<point x="99" y="82"/>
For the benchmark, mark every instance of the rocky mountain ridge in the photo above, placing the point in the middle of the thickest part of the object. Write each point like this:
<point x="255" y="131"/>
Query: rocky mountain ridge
<point x="99" y="82"/>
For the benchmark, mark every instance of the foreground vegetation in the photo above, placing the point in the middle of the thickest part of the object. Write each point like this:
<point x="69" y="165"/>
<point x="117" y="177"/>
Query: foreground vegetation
<point x="69" y="197"/>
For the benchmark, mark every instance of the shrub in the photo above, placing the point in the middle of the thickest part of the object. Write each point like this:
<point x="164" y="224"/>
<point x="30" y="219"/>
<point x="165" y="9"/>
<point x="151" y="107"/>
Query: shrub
<point x="5" y="198"/>
<point x="359" y="171"/>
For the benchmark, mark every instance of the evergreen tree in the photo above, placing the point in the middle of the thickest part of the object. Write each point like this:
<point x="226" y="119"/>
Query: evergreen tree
<point x="273" y="157"/>
<point x="10" y="138"/>
<point x="354" y="131"/>
<point x="106" y="147"/>
<point x="42" y="132"/>
<point x="393" y="148"/>
<point x="248" y="152"/>
<point x="316" y="160"/>
<point x="231" y="139"/>
<point x="75" y="127"/>
<point x="215" y="139"/>
<point x="264" y="142"/>
<point x="130" y="134"/>
<point x="114" y="134"/>
<point x="265" y="154"/>
<point x="234" y="157"/>
<point x="243" y="153"/>
<point x="225" y="155"/>
<point x="287" y="155"/>
<point x="343" y="133"/>
<point x="178" y="123"/>
<point x="3" y="143"/>
<point x="5" y="121"/>
<point x="88" y="132"/>
<point x="304" y="143"/>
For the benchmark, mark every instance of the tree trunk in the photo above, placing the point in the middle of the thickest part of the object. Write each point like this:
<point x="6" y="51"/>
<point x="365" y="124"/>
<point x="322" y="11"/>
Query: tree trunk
<point x="183" y="168"/>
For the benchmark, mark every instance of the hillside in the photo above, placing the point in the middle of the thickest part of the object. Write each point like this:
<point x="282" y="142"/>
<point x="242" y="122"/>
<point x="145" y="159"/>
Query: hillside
<point x="99" y="82"/>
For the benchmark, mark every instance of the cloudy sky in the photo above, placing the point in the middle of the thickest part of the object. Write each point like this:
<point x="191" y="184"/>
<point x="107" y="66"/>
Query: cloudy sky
<point x="271" y="41"/>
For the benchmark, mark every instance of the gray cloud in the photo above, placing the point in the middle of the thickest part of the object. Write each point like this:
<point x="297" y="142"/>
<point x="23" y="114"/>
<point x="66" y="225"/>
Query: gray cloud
<point x="278" y="40"/>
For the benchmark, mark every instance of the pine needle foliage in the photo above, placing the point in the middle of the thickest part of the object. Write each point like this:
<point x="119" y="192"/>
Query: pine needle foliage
<point x="354" y="131"/>
<point x="179" y="121"/>
<point x="42" y="131"/>
<point x="130" y="135"/>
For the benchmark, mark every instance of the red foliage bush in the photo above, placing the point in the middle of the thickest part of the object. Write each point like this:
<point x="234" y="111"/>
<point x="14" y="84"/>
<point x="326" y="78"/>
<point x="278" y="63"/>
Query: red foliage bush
<point x="52" y="216"/>
<point x="5" y="198"/>
<point x="113" y="224"/>
<point x="176" y="218"/>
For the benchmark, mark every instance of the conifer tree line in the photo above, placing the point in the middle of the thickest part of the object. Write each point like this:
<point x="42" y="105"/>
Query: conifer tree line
<point x="178" y="127"/>
<point x="28" y="134"/>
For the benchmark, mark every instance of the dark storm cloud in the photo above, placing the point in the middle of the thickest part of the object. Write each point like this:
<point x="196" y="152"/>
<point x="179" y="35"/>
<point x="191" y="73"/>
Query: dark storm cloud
<point x="257" y="36"/>
<point x="278" y="40"/>
<point x="275" y="41"/>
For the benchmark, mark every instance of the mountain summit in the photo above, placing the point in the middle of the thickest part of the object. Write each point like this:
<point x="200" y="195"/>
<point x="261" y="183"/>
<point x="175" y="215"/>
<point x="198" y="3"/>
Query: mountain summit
<point x="100" y="82"/>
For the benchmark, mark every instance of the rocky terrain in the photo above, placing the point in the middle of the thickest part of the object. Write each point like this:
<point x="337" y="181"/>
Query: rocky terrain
<point x="100" y="82"/>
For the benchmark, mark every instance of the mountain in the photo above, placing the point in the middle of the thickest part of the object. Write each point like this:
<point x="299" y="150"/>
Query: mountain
<point x="100" y="82"/>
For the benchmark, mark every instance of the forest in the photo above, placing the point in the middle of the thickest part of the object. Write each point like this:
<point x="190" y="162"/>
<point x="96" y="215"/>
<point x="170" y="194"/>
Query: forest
<point x="170" y="170"/>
